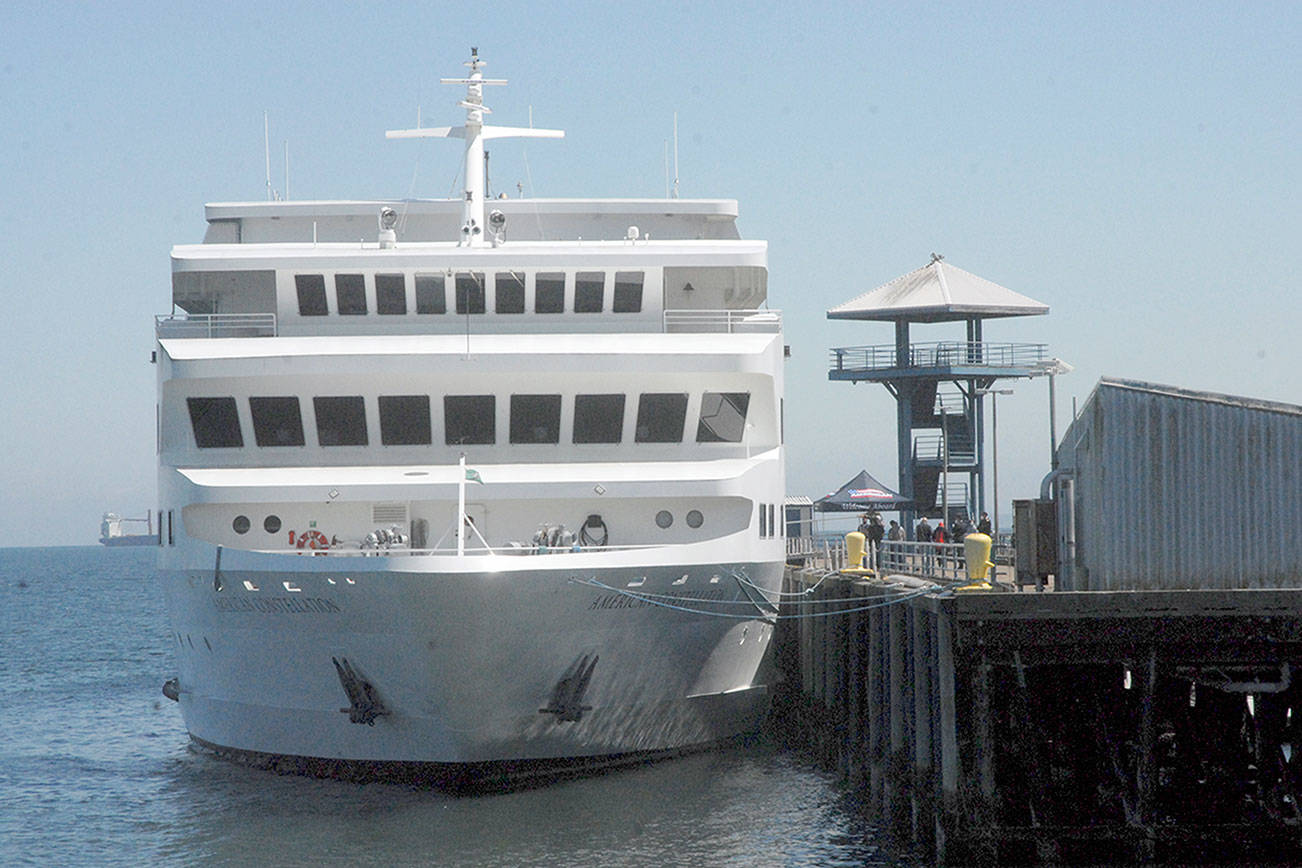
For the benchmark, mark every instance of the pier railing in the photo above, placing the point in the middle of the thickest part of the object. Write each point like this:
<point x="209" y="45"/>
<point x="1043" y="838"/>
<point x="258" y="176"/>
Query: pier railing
<point x="729" y="321"/>
<point x="215" y="325"/>
<point x="939" y="354"/>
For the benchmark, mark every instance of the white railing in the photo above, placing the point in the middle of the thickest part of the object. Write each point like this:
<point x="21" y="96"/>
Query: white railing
<point x="354" y="550"/>
<point x="215" y="325"/>
<point x="941" y="561"/>
<point x="730" y="321"/>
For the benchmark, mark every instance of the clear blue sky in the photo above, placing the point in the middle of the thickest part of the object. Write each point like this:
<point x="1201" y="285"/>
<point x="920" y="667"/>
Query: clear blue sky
<point x="1135" y="166"/>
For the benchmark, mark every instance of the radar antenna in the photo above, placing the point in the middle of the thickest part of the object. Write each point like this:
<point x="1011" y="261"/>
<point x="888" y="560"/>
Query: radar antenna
<point x="475" y="132"/>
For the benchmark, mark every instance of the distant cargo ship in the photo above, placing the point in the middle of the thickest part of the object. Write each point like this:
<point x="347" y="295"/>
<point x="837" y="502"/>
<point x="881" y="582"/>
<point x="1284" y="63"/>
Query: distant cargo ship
<point x="112" y="530"/>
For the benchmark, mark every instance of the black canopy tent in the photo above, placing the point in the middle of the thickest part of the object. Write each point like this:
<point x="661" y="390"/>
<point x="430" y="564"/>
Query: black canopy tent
<point x="861" y="494"/>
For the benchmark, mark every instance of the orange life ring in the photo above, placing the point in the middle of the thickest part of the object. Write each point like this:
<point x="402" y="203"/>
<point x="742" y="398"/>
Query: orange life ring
<point x="312" y="539"/>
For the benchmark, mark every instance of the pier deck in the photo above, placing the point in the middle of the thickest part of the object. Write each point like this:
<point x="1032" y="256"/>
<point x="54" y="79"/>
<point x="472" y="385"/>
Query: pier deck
<point x="996" y="727"/>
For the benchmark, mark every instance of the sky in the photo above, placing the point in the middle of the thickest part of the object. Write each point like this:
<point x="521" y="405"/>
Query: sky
<point x="1133" y="165"/>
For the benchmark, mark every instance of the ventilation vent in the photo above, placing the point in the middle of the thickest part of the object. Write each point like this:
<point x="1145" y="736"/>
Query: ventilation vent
<point x="389" y="513"/>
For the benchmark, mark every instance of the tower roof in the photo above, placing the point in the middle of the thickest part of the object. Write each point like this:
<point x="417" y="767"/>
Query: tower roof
<point x="937" y="292"/>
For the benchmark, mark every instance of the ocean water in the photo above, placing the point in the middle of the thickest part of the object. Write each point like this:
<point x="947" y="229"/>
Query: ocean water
<point x="96" y="768"/>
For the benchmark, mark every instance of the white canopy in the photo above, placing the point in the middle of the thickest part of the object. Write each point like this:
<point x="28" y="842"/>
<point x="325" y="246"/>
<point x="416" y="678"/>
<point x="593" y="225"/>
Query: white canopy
<point x="938" y="292"/>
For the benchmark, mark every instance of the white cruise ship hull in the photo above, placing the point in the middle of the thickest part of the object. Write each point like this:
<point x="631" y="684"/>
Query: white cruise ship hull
<point x="538" y="661"/>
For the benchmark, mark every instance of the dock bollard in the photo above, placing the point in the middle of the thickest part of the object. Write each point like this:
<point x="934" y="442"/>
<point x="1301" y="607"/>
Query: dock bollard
<point x="976" y="550"/>
<point x="855" y="549"/>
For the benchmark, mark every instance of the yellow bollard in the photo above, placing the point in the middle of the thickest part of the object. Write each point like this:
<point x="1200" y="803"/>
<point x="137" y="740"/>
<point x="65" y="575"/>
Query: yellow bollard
<point x="855" y="551"/>
<point x="976" y="550"/>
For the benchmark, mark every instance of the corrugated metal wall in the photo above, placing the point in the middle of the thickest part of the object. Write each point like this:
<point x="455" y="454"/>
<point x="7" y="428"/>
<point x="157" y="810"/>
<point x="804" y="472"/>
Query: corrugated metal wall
<point x="1180" y="489"/>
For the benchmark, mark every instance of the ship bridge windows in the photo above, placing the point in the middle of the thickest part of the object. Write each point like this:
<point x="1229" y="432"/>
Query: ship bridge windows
<point x="723" y="417"/>
<point x="390" y="294"/>
<point x="469" y="419"/>
<point x="508" y="292"/>
<point x="661" y="417"/>
<point x="340" y="421"/>
<point x="350" y="294"/>
<point x="470" y="292"/>
<point x="215" y="421"/>
<point x="311" y="294"/>
<point x="589" y="291"/>
<point x="535" y="418"/>
<point x="276" y="421"/>
<point x="473" y="292"/>
<point x="628" y="292"/>
<point x="431" y="295"/>
<point x="549" y="293"/>
<point x="598" y="418"/>
<point x="404" y="420"/>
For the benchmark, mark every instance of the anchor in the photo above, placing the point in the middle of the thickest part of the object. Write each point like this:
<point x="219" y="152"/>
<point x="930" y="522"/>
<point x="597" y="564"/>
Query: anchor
<point x="567" y="695"/>
<point x="365" y="704"/>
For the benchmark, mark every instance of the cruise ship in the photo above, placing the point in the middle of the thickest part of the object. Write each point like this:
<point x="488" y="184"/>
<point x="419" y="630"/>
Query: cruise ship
<point x="469" y="489"/>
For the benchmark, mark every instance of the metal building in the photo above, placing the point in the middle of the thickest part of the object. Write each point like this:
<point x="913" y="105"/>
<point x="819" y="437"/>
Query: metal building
<point x="1168" y="488"/>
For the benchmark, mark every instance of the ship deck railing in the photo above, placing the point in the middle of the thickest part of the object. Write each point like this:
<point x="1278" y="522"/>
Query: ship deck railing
<point x="938" y="355"/>
<point x="216" y="325"/>
<point x="728" y="321"/>
<point x="353" y="550"/>
<point x="246" y="325"/>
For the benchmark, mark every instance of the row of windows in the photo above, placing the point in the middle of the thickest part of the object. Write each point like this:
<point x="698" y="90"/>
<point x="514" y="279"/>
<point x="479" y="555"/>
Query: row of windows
<point x="471" y="290"/>
<point x="405" y="420"/>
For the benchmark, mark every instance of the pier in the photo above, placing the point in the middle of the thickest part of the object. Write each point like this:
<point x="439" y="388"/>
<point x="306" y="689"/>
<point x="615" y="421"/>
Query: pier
<point x="1121" y="688"/>
<point x="1004" y="728"/>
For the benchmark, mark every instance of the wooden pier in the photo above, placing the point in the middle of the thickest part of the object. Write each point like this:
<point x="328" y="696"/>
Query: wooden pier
<point x="1030" y="728"/>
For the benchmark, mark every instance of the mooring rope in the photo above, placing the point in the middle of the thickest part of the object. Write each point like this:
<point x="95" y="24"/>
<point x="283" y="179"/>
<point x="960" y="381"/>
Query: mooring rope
<point x="659" y="600"/>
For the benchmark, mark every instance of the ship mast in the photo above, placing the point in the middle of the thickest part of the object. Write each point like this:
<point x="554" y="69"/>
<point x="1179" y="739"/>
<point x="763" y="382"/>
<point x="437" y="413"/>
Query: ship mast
<point x="475" y="133"/>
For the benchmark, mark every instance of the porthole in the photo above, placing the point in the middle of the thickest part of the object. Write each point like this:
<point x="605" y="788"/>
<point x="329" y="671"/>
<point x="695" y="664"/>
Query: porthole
<point x="241" y="524"/>
<point x="664" y="518"/>
<point x="271" y="524"/>
<point x="695" y="519"/>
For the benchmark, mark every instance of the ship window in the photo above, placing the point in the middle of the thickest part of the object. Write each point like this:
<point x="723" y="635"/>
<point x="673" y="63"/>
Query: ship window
<point x="470" y="292"/>
<point x="628" y="292"/>
<point x="598" y="418"/>
<point x="660" y="417"/>
<point x="535" y="418"/>
<point x="723" y="417"/>
<point x="664" y="518"/>
<point x="695" y="519"/>
<point x="469" y="419"/>
<point x="311" y="294"/>
<point x="241" y="524"/>
<point x="340" y="421"/>
<point x="276" y="421"/>
<point x="350" y="294"/>
<point x="549" y="293"/>
<point x="430" y="295"/>
<point x="271" y="524"/>
<point x="216" y="422"/>
<point x="508" y="292"/>
<point x="390" y="294"/>
<point x="588" y="289"/>
<point x="404" y="420"/>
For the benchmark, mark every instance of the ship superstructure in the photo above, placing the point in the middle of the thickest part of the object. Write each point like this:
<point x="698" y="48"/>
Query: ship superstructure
<point x="449" y="487"/>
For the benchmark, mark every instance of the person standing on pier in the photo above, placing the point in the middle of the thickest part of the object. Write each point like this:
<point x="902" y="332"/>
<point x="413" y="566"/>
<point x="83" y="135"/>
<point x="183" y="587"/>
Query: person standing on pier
<point x="922" y="533"/>
<point x="876" y="532"/>
<point x="983" y="525"/>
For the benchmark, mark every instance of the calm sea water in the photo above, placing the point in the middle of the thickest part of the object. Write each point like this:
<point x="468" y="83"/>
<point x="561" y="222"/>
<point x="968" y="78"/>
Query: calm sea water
<point x="96" y="768"/>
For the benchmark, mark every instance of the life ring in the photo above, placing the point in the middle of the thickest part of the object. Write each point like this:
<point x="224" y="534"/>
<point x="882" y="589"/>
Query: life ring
<point x="311" y="539"/>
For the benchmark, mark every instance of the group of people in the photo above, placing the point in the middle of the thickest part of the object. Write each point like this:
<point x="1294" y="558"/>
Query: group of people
<point x="871" y="526"/>
<point x="962" y="526"/>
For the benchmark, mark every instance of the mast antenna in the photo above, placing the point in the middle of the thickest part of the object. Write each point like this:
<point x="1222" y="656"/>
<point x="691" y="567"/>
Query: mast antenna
<point x="266" y="151"/>
<point x="675" y="155"/>
<point x="475" y="132"/>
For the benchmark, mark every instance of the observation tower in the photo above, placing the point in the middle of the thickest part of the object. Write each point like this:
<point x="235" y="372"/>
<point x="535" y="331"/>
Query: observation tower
<point x="940" y="386"/>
